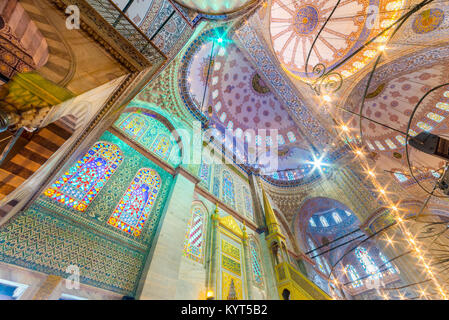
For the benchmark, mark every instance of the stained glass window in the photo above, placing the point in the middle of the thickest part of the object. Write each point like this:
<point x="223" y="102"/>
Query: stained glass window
<point x="79" y="186"/>
<point x="312" y="222"/>
<point x="228" y="189"/>
<point x="353" y="276"/>
<point x="387" y="265"/>
<point x="248" y="203"/>
<point x="435" y="117"/>
<point x="424" y="126"/>
<point x="291" y="136"/>
<point x="281" y="139"/>
<point x="412" y="133"/>
<point x="336" y="217"/>
<point x="370" y="145"/>
<point x="317" y="259"/>
<point x="134" y="125"/>
<point x="379" y="145"/>
<point x="443" y="106"/>
<point x="401" y="177"/>
<point x="162" y="146"/>
<point x="446" y="94"/>
<point x="401" y="140"/>
<point x="194" y="242"/>
<point x="367" y="262"/>
<point x="255" y="262"/>
<point x="348" y="213"/>
<point x="323" y="221"/>
<point x="390" y="144"/>
<point x="135" y="206"/>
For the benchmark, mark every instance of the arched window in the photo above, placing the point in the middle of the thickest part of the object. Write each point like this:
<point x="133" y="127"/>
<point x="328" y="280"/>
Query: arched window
<point x="79" y="186"/>
<point x="336" y="217"/>
<point x="248" y="203"/>
<point x="135" y="206"/>
<point x="353" y="276"/>
<point x="134" y="125"/>
<point x="348" y="213"/>
<point x="367" y="262"/>
<point x="228" y="189"/>
<point x="323" y="221"/>
<point x="162" y="146"/>
<point x="255" y="263"/>
<point x="317" y="259"/>
<point x="194" y="242"/>
<point x="387" y="265"/>
<point x="312" y="222"/>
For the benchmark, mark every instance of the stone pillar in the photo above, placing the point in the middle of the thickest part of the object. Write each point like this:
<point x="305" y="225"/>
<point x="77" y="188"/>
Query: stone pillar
<point x="215" y="219"/>
<point x="247" y="260"/>
<point x="162" y="269"/>
<point x="48" y="290"/>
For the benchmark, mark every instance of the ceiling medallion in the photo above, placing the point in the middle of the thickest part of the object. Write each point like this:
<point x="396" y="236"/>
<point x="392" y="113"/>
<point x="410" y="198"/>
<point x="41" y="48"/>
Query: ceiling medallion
<point x="306" y="20"/>
<point x="428" y="21"/>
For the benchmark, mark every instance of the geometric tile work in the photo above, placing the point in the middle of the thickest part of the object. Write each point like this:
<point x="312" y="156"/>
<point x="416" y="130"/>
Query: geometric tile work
<point x="50" y="235"/>
<point x="43" y="242"/>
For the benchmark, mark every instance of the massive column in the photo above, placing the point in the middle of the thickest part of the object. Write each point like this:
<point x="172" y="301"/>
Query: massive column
<point x="162" y="270"/>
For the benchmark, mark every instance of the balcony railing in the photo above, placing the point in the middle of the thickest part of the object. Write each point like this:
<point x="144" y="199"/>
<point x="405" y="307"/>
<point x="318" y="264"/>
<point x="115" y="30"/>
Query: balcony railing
<point x="124" y="25"/>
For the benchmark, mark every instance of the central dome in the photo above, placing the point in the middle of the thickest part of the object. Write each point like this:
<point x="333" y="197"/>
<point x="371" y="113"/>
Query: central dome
<point x="294" y="26"/>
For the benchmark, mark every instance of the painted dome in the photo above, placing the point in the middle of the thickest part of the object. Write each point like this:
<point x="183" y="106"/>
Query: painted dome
<point x="243" y="102"/>
<point x="394" y="92"/>
<point x="295" y="24"/>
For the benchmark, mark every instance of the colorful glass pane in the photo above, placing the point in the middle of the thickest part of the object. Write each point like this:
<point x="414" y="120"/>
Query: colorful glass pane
<point x="401" y="177"/>
<point x="390" y="144"/>
<point x="228" y="189"/>
<point x="281" y="139"/>
<point x="83" y="181"/>
<point x="435" y="117"/>
<point x="336" y="217"/>
<point x="204" y="174"/>
<point x="323" y="221"/>
<point x="370" y="145"/>
<point x="255" y="262"/>
<point x="291" y="136"/>
<point x="401" y="140"/>
<point x="446" y="94"/>
<point x="387" y="265"/>
<point x="248" y="204"/>
<point x="134" y="125"/>
<point x="135" y="206"/>
<point x="443" y="106"/>
<point x="318" y="258"/>
<point x="367" y="262"/>
<point x="353" y="276"/>
<point x="312" y="222"/>
<point x="424" y="126"/>
<point x="162" y="146"/>
<point x="379" y="145"/>
<point x="412" y="133"/>
<point x="193" y="247"/>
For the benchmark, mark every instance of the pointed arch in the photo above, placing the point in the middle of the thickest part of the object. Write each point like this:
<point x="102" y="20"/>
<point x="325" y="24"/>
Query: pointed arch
<point x="135" y="205"/>
<point x="353" y="276"/>
<point x="79" y="186"/>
